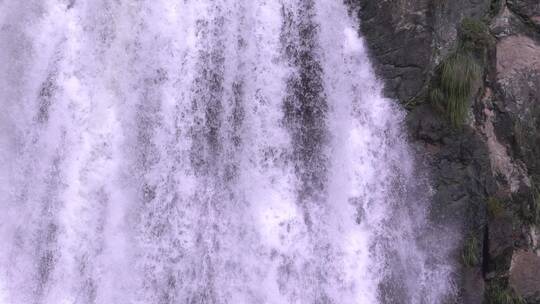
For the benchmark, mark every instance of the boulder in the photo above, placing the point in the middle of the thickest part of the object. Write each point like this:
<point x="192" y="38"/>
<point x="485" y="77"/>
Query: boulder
<point x="525" y="275"/>
<point x="518" y="84"/>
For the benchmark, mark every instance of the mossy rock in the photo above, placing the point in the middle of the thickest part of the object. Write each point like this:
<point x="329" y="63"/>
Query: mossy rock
<point x="495" y="207"/>
<point x="498" y="292"/>
<point x="470" y="255"/>
<point x="474" y="35"/>
<point x="458" y="75"/>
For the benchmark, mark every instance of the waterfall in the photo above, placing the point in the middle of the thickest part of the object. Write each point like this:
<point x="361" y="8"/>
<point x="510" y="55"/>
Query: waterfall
<point x="205" y="151"/>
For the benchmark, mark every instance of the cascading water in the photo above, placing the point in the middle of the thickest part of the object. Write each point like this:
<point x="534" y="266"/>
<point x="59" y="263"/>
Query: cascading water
<point x="200" y="151"/>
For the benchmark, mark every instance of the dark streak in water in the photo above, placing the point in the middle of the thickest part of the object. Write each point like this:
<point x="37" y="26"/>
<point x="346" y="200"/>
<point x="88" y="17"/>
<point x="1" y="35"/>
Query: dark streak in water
<point x="208" y="91"/>
<point x="305" y="105"/>
<point x="45" y="97"/>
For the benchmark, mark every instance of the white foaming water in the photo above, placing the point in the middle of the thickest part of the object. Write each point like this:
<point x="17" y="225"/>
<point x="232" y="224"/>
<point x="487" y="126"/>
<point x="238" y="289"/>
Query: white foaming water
<point x="225" y="151"/>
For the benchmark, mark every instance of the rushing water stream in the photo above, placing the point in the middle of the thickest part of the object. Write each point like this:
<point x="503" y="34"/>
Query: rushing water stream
<point x="201" y="152"/>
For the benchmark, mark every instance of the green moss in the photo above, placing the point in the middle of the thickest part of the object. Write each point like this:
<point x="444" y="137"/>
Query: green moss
<point x="495" y="207"/>
<point x="459" y="73"/>
<point x="498" y="292"/>
<point x="474" y="35"/>
<point x="437" y="96"/>
<point x="471" y="251"/>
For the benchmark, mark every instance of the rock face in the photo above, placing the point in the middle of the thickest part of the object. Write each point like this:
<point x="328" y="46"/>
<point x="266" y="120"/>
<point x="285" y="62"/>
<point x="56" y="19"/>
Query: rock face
<point x="518" y="81"/>
<point x="527" y="9"/>
<point x="395" y="28"/>
<point x="486" y="172"/>
<point x="408" y="38"/>
<point x="524" y="278"/>
<point x="517" y="54"/>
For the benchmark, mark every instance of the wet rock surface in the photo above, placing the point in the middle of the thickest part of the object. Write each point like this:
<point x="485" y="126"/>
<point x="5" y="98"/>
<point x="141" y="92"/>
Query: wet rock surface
<point x="485" y="173"/>
<point x="395" y="28"/>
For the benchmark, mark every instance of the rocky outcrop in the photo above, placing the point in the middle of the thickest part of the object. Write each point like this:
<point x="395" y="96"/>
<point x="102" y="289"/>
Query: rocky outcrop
<point x="524" y="278"/>
<point x="486" y="172"/>
<point x="518" y="84"/>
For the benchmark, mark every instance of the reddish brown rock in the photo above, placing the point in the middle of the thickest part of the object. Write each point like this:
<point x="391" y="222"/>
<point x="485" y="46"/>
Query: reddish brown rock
<point x="525" y="275"/>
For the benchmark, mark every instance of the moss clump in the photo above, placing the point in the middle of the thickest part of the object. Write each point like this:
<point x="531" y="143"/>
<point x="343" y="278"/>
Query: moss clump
<point x="471" y="251"/>
<point x="495" y="207"/>
<point x="474" y="35"/>
<point x="460" y="72"/>
<point x="498" y="292"/>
